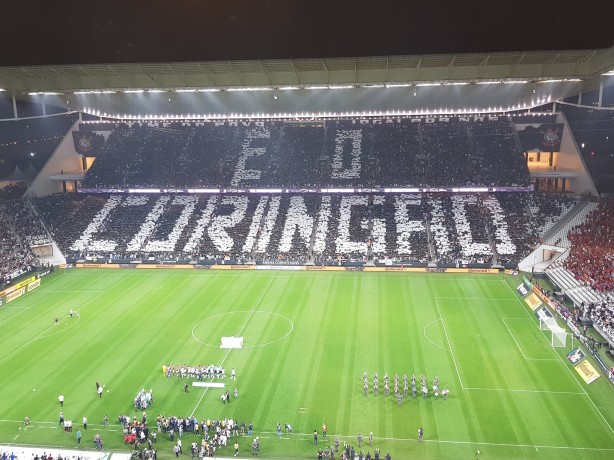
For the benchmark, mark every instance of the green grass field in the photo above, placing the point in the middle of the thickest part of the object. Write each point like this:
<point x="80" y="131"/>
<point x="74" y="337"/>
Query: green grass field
<point x="308" y="339"/>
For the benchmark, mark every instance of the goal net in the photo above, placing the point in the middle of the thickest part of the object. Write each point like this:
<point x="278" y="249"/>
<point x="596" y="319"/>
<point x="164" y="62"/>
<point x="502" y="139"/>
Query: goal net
<point x="558" y="338"/>
<point x="232" y="342"/>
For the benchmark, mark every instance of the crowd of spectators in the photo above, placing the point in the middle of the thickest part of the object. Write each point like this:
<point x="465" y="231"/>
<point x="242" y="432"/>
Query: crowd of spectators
<point x="548" y="208"/>
<point x="296" y="228"/>
<point x="399" y="229"/>
<point x="20" y="228"/>
<point x="18" y="454"/>
<point x="291" y="239"/>
<point x="343" y="153"/>
<point x="80" y="210"/>
<point x="602" y="314"/>
<point x="591" y="259"/>
<point x="215" y="433"/>
<point x="12" y="191"/>
<point x="524" y="228"/>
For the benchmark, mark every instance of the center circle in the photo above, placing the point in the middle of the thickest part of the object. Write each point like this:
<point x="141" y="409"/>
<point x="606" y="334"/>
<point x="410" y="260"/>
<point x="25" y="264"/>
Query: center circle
<point x="258" y="328"/>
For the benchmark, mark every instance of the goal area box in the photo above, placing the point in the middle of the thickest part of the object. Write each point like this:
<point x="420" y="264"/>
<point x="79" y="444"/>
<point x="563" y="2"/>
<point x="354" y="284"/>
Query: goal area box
<point x="232" y="342"/>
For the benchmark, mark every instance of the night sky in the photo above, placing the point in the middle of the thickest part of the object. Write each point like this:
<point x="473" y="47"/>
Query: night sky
<point x="43" y="32"/>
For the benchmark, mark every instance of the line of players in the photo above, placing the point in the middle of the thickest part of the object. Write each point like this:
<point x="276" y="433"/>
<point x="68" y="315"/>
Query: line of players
<point x="406" y="385"/>
<point x="197" y="372"/>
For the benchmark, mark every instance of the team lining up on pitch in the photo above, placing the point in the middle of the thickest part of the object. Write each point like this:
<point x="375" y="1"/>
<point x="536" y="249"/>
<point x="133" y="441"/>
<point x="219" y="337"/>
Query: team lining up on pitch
<point x="199" y="372"/>
<point x="217" y="433"/>
<point x="423" y="387"/>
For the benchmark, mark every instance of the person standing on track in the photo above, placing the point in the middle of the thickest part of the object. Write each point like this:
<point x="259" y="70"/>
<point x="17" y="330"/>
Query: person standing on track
<point x="420" y="434"/>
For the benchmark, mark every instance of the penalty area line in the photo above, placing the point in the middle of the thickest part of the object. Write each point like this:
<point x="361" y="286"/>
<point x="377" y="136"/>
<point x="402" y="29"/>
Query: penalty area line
<point x="449" y="344"/>
<point x="511" y="390"/>
<point x="522" y="305"/>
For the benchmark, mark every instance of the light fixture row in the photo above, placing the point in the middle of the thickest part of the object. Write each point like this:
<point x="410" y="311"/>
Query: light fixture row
<point x="309" y="87"/>
<point x="309" y="115"/>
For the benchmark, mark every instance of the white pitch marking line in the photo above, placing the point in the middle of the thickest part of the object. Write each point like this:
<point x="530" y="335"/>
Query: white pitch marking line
<point x="36" y="290"/>
<point x="12" y="316"/>
<point x="434" y="441"/>
<point x="472" y="298"/>
<point x="527" y="391"/>
<point x="565" y="364"/>
<point x="427" y="338"/>
<point x="42" y="334"/>
<point x="449" y="344"/>
<point x="238" y="335"/>
<point x="389" y="275"/>
<point x="514" y="338"/>
<point x="444" y="441"/>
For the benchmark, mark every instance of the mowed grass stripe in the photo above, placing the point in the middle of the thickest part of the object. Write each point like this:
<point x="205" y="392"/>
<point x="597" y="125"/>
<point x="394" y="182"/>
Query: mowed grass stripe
<point x="342" y="321"/>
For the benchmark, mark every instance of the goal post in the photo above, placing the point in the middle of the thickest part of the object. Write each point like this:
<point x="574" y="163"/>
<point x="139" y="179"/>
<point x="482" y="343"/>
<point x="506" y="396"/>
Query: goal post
<point x="547" y="323"/>
<point x="558" y="335"/>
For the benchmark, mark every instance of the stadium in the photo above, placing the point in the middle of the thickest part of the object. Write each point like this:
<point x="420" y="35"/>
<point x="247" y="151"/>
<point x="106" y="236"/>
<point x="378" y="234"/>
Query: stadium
<point x="369" y="255"/>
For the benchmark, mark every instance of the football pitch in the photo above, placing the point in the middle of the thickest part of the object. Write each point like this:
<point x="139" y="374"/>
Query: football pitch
<point x="308" y="338"/>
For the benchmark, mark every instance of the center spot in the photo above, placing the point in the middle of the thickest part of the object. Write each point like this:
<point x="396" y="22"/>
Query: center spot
<point x="258" y="328"/>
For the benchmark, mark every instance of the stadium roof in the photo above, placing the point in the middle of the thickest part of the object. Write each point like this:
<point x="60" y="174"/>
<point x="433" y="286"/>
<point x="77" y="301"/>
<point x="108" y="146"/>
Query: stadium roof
<point x="356" y="71"/>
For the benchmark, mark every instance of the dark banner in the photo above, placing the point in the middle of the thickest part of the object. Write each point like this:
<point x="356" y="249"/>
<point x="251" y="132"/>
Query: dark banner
<point x="523" y="290"/>
<point x="354" y="268"/>
<point x="575" y="356"/>
<point x="88" y="143"/>
<point x="545" y="137"/>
